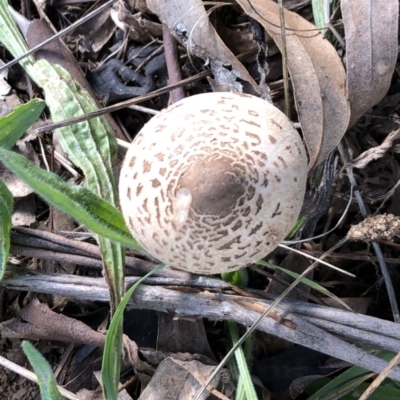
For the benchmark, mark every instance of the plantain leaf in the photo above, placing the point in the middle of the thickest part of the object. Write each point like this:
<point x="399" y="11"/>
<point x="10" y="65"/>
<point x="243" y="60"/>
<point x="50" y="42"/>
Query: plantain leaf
<point x="12" y="39"/>
<point x="97" y="214"/>
<point x="45" y="377"/>
<point x="6" y="205"/>
<point x="92" y="147"/>
<point x="14" y="125"/>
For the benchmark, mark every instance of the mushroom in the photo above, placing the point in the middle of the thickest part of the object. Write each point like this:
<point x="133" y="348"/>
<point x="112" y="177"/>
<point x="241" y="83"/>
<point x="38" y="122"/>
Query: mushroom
<point x="214" y="182"/>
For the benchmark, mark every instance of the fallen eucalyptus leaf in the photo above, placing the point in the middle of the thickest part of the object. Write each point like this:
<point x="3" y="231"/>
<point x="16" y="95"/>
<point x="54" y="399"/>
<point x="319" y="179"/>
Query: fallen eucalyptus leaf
<point x="188" y="21"/>
<point x="317" y="74"/>
<point x="371" y="51"/>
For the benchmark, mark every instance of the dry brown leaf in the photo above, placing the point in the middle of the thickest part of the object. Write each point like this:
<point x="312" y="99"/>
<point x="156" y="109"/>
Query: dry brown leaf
<point x="176" y="379"/>
<point x="317" y="74"/>
<point x="371" y="51"/>
<point x="189" y="23"/>
<point x="96" y="32"/>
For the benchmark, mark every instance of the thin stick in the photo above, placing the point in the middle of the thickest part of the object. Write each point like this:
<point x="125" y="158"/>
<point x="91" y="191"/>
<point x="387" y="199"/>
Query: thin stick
<point x="380" y="378"/>
<point x="124" y="104"/>
<point x="32" y="377"/>
<point x="284" y="60"/>
<point x="59" y="34"/>
<point x="173" y="66"/>
<point x="375" y="245"/>
<point x="316" y="260"/>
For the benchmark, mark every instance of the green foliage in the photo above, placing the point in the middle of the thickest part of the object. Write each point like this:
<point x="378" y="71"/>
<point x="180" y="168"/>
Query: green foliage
<point x="319" y="14"/>
<point x="350" y="384"/>
<point x="12" y="127"/>
<point x="82" y="204"/>
<point x="107" y="371"/>
<point x="238" y="278"/>
<point x="15" y="124"/>
<point x="6" y="204"/>
<point x="245" y="387"/>
<point x="11" y="37"/>
<point x="92" y="147"/>
<point x="46" y="381"/>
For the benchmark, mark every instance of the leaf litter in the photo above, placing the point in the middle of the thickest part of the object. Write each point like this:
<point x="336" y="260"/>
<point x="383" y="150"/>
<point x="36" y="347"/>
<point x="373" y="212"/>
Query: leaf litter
<point x="316" y="71"/>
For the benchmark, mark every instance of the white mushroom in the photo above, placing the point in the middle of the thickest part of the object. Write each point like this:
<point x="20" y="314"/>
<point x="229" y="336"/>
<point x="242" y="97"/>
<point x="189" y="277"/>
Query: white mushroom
<point x="214" y="182"/>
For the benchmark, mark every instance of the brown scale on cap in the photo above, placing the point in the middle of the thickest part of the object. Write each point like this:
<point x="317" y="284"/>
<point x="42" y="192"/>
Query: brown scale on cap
<point x="214" y="182"/>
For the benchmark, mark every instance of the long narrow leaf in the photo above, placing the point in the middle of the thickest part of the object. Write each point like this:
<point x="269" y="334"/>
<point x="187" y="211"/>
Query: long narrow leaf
<point x="6" y="204"/>
<point x="12" y="39"/>
<point x="245" y="385"/>
<point x="82" y="204"/>
<point x="347" y="381"/>
<point x="107" y="372"/>
<point x="91" y="146"/>
<point x="306" y="281"/>
<point x="14" y="125"/>
<point x="44" y="373"/>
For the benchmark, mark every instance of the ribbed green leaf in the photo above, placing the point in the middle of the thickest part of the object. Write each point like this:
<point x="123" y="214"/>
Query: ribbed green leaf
<point x="46" y="381"/>
<point x="92" y="147"/>
<point x="12" y="39"/>
<point x="15" y="124"/>
<point x="82" y="204"/>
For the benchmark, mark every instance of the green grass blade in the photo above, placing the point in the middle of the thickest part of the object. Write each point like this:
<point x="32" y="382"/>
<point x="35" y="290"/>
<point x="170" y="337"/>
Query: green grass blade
<point x="246" y="389"/>
<point x="347" y="381"/>
<point x="15" y="124"/>
<point x="6" y="205"/>
<point x="12" y="127"/>
<point x="306" y="281"/>
<point x="43" y="371"/>
<point x="319" y="14"/>
<point x="110" y="376"/>
<point x="82" y="204"/>
<point x="238" y="278"/>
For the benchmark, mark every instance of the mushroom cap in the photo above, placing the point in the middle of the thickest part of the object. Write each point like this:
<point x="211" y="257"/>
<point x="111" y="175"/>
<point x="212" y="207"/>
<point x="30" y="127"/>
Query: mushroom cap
<point x="214" y="182"/>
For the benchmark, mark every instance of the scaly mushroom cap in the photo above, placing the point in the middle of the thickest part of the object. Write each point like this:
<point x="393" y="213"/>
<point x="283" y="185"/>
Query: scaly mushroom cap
<point x="214" y="182"/>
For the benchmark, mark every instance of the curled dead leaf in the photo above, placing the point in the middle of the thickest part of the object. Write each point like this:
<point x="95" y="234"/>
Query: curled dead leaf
<point x="371" y="51"/>
<point x="317" y="74"/>
<point x="188" y="22"/>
